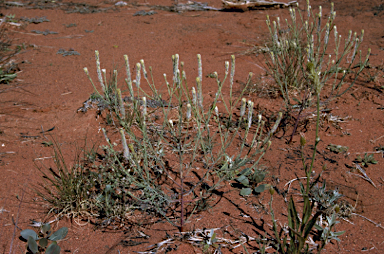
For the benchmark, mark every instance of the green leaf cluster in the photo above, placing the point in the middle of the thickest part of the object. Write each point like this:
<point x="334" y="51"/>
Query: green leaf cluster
<point x="38" y="242"/>
<point x="367" y="160"/>
<point x="250" y="179"/>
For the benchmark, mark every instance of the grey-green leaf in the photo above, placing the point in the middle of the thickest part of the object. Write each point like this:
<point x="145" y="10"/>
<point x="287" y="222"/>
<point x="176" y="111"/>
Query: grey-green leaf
<point x="53" y="248"/>
<point x="43" y="242"/>
<point x="243" y="180"/>
<point x="29" y="232"/>
<point x="258" y="176"/>
<point x="59" y="234"/>
<point x="246" y="191"/>
<point x="45" y="228"/>
<point x="260" y="188"/>
<point x="338" y="233"/>
<point x="32" y="245"/>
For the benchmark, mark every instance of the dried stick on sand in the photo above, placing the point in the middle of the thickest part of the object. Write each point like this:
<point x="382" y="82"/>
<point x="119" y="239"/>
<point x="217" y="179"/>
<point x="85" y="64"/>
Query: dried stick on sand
<point x="254" y="4"/>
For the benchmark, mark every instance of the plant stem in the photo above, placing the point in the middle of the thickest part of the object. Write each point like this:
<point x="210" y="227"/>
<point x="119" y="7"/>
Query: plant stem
<point x="182" y="207"/>
<point x="317" y="140"/>
<point x="16" y="222"/>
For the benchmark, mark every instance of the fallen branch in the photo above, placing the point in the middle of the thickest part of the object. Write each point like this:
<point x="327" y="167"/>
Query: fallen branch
<point x="245" y="5"/>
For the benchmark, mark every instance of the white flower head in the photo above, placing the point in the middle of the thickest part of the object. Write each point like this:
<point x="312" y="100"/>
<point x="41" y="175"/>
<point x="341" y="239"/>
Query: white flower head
<point x="250" y="112"/>
<point x="194" y="97"/>
<point x="144" y="106"/>
<point x="189" y="111"/>
<point x="143" y="67"/>
<point x="243" y="105"/>
<point x="335" y="31"/>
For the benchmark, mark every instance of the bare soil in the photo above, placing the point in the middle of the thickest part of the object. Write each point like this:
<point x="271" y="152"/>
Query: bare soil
<point x="51" y="87"/>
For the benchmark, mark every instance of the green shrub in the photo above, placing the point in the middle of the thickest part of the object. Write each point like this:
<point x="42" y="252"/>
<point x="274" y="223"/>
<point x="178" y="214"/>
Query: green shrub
<point x="174" y="149"/>
<point x="314" y="205"/>
<point x="303" y="40"/>
<point x="177" y="148"/>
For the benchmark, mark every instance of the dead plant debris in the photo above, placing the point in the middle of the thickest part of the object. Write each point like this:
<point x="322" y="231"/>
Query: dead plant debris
<point x="245" y="5"/>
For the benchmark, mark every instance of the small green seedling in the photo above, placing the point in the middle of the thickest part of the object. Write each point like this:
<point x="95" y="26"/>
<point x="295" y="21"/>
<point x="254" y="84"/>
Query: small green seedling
<point x="38" y="242"/>
<point x="210" y="241"/>
<point x="337" y="148"/>
<point x="327" y="234"/>
<point x="368" y="159"/>
<point x="11" y="18"/>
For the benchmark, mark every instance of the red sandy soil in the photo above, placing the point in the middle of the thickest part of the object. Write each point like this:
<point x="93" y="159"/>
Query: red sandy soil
<point x="50" y="88"/>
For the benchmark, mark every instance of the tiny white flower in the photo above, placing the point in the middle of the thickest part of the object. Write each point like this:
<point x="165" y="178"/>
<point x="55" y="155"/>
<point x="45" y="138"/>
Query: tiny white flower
<point x="194" y="97"/>
<point x="229" y="160"/>
<point x="217" y="111"/>
<point x="189" y="110"/>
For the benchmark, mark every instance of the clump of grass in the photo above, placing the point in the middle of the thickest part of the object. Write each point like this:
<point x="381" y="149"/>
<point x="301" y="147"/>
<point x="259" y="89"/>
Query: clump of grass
<point x="67" y="188"/>
<point x="92" y="188"/>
